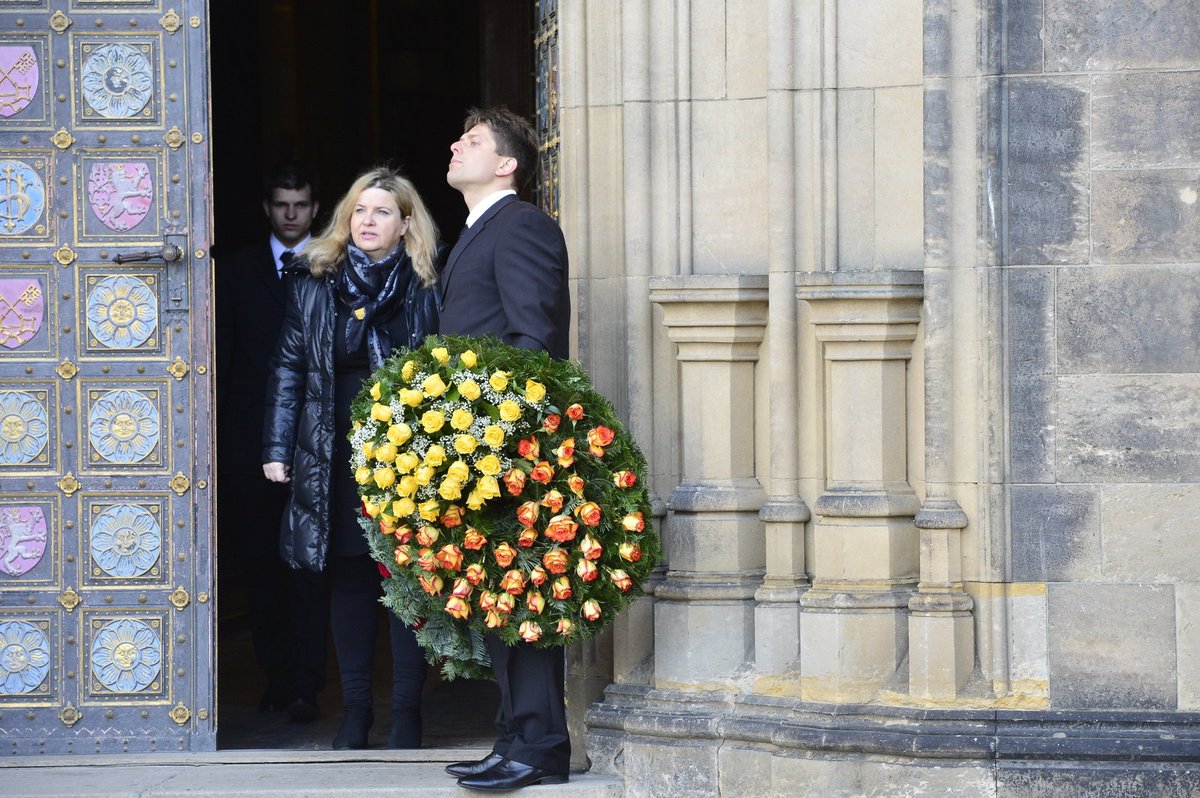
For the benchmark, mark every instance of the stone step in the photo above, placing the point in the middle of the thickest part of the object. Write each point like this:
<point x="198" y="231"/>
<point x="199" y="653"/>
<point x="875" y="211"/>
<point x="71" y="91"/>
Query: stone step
<point x="266" y="774"/>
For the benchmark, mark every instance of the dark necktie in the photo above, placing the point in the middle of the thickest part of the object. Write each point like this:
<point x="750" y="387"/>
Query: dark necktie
<point x="285" y="260"/>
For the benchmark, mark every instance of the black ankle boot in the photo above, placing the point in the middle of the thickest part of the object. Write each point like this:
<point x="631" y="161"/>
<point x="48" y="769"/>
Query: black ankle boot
<point x="406" y="729"/>
<point x="356" y="722"/>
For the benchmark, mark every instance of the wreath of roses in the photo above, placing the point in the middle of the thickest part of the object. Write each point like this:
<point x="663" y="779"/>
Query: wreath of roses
<point x="501" y="494"/>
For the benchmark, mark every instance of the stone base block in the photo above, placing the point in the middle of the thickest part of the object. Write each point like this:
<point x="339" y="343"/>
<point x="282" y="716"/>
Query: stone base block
<point x="849" y="655"/>
<point x="662" y="768"/>
<point x="700" y="645"/>
<point x="776" y="637"/>
<point x="866" y="549"/>
<point x="941" y="654"/>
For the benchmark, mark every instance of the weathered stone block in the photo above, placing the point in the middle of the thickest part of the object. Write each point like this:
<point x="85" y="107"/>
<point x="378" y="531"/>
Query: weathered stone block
<point x="1040" y="780"/>
<point x="1187" y="627"/>
<point x="672" y="768"/>
<point x="1128" y="320"/>
<point x="1032" y="428"/>
<point x="1047" y="201"/>
<point x="1119" y="34"/>
<point x="1030" y="321"/>
<point x="894" y="780"/>
<point x="1137" y="428"/>
<point x="1112" y="646"/>
<point x="1014" y="36"/>
<point x="1149" y="216"/>
<point x="816" y="778"/>
<point x="1028" y="665"/>
<point x="1149" y="533"/>
<point x="879" y="43"/>
<point x="1055" y="534"/>
<point x="745" y="770"/>
<point x="1146" y="119"/>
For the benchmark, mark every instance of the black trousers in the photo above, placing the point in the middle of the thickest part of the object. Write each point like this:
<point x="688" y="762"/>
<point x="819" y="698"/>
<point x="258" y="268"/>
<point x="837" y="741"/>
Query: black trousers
<point x="532" y="719"/>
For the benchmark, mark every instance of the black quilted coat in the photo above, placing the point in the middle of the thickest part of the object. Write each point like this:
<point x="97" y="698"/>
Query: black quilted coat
<point x="298" y="427"/>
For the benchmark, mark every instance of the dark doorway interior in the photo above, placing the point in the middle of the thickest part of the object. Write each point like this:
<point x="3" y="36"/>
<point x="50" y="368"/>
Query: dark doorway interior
<point x="344" y="86"/>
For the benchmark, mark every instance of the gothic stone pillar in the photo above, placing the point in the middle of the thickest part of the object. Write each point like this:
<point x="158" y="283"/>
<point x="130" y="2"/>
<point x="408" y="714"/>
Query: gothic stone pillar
<point x="704" y="609"/>
<point x="854" y="632"/>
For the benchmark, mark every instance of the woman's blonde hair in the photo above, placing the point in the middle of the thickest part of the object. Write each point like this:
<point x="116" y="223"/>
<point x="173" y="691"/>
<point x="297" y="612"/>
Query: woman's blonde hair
<point x="327" y="251"/>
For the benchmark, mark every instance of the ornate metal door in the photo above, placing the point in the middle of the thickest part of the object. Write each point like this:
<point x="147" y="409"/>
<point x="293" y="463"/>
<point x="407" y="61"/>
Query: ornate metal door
<point x="106" y="632"/>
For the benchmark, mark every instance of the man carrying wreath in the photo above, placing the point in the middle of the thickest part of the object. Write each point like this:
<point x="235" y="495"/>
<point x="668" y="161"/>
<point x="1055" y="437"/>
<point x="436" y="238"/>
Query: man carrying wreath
<point x="507" y="276"/>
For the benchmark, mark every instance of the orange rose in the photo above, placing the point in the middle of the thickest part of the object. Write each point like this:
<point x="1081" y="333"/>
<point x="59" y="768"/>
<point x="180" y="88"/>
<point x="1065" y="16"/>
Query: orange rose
<point x="591" y="610"/>
<point x="542" y="472"/>
<point x="589" y="513"/>
<point x="495" y="620"/>
<point x="451" y="557"/>
<point x="575" y="483"/>
<point x="458" y="608"/>
<point x="601" y="435"/>
<point x="551" y="423"/>
<point x="474" y="539"/>
<point x="621" y="579"/>
<point x="530" y="632"/>
<point x="565" y="627"/>
<point x="514" y="481"/>
<point x="566" y="453"/>
<point x="630" y="552"/>
<point x="538" y="575"/>
<point x="529" y="448"/>
<point x="561" y="528"/>
<point x="506" y="603"/>
<point x="462" y="588"/>
<point x="535" y="602"/>
<point x="556" y="561"/>
<point x="561" y="589"/>
<point x="587" y="571"/>
<point x="596" y="449"/>
<point x="528" y="537"/>
<point x="633" y="522"/>
<point x="475" y="573"/>
<point x="427" y="536"/>
<point x="575" y="412"/>
<point x="624" y="479"/>
<point x="452" y="517"/>
<point x="431" y="584"/>
<point x="403" y="556"/>
<point x="591" y="548"/>
<point x="553" y="501"/>
<point x="403" y="535"/>
<point x="387" y="524"/>
<point x="427" y="560"/>
<point x="487" y="600"/>
<point x="513" y="582"/>
<point x="527" y="513"/>
<point x="504" y="555"/>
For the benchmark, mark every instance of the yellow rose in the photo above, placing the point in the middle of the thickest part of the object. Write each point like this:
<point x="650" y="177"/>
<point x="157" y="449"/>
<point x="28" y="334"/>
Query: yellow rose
<point x="465" y="444"/>
<point x="411" y="397"/>
<point x="399" y="433"/>
<point x="370" y="508"/>
<point x="381" y="412"/>
<point x="509" y="410"/>
<point x="376" y="392"/>
<point x="384" y="478"/>
<point x="459" y="471"/>
<point x="435" y="455"/>
<point x="432" y="421"/>
<point x="440" y="354"/>
<point x="368" y="449"/>
<point x="488" y="487"/>
<point x="430" y="510"/>
<point x="386" y="453"/>
<point x="403" y="507"/>
<point x="534" y="391"/>
<point x="489" y="465"/>
<point x="424" y="475"/>
<point x="362" y="475"/>
<point x="475" y="500"/>
<point x="407" y="486"/>
<point x="433" y="385"/>
<point x="408" y="369"/>
<point x="469" y="390"/>
<point x="498" y="380"/>
<point x="406" y="461"/>
<point x="450" y="489"/>
<point x="469" y="359"/>
<point x="493" y="436"/>
<point x="461" y="419"/>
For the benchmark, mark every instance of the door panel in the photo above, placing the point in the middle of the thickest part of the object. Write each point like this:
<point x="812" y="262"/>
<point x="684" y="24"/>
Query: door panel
<point x="106" y="635"/>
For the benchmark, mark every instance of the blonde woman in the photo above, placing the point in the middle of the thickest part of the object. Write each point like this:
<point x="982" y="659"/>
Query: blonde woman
<point x="361" y="288"/>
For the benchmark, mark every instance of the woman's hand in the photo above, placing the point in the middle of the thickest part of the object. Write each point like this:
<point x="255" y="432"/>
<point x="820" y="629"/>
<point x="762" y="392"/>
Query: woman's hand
<point x="276" y="472"/>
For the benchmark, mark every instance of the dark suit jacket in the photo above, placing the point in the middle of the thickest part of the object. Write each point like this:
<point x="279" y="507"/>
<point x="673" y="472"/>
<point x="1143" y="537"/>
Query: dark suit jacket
<point x="507" y="276"/>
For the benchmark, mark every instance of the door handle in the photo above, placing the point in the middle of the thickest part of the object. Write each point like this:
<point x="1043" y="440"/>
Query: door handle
<point x="169" y="253"/>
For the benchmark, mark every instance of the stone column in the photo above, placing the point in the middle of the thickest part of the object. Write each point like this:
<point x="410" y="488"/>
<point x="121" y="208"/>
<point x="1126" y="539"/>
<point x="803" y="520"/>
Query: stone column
<point x="854" y="631"/>
<point x="704" y="609"/>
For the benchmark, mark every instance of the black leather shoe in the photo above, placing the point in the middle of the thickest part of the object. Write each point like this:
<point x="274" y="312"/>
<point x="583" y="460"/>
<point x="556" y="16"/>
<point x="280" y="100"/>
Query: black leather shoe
<point x="355" y="725"/>
<point x="303" y="709"/>
<point x="510" y="775"/>
<point x="406" y="730"/>
<point x="475" y="767"/>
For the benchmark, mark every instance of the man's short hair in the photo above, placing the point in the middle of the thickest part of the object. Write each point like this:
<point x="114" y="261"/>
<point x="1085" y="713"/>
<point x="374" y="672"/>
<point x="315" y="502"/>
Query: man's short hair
<point x="291" y="176"/>
<point x="514" y="137"/>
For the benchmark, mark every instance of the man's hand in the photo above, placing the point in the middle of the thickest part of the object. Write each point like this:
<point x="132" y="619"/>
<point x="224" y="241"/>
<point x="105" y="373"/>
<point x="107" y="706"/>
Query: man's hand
<point x="276" y="472"/>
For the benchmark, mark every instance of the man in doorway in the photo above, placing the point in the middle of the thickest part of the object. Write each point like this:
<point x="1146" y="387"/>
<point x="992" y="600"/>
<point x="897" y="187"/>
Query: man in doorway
<point x="250" y="305"/>
<point x="507" y="276"/>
